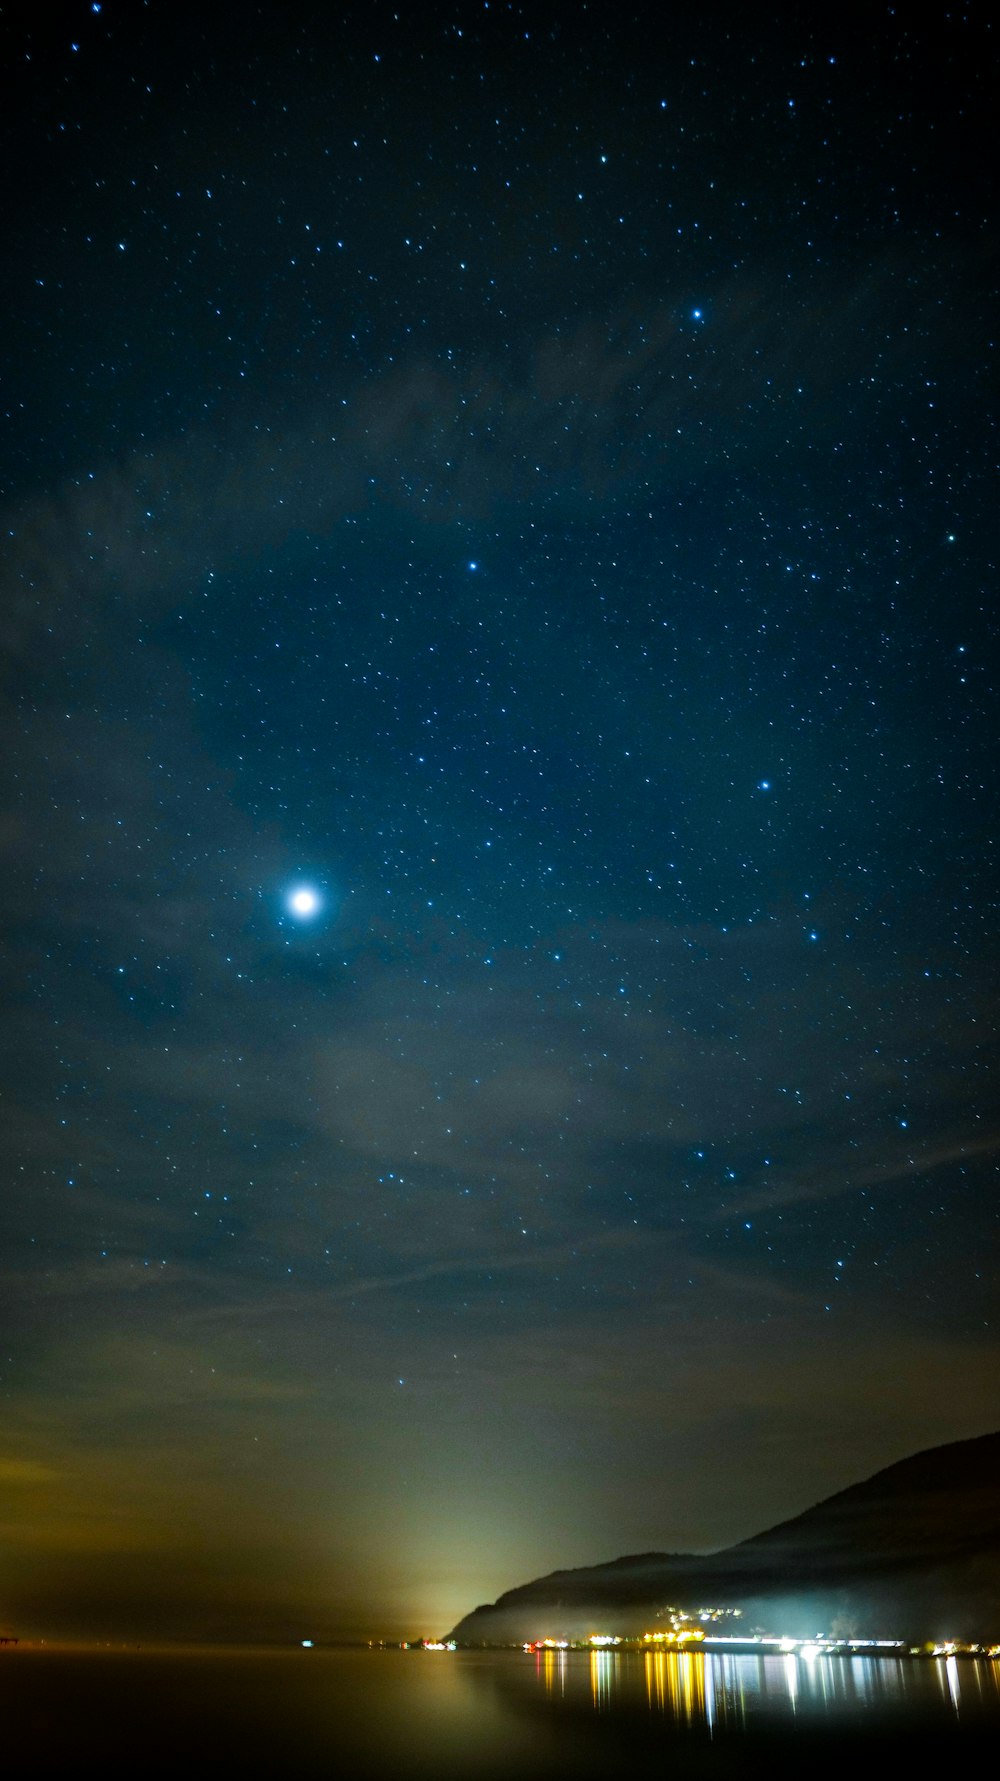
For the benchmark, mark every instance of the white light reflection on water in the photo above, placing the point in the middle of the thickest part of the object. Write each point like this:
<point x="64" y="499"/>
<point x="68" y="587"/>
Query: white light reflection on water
<point x="951" y="1670"/>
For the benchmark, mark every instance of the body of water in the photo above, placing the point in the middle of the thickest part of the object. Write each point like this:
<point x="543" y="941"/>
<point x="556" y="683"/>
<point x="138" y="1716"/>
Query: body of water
<point x="488" y="1714"/>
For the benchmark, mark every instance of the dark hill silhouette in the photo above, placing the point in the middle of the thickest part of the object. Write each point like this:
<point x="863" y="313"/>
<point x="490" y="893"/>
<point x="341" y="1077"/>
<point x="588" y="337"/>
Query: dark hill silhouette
<point x="913" y="1552"/>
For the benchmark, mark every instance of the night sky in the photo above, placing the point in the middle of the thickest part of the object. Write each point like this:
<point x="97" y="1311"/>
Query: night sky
<point x="500" y="539"/>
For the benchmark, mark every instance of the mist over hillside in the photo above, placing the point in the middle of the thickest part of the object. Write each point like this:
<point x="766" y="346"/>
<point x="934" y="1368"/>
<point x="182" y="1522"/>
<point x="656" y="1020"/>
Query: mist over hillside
<point x="913" y="1552"/>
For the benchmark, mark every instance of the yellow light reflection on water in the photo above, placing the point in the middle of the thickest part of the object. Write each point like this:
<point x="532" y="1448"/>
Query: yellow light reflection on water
<point x="553" y="1663"/>
<point x="676" y="1684"/>
<point x="601" y="1678"/>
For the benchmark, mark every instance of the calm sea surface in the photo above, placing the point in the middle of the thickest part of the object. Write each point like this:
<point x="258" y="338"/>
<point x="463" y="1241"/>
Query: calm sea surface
<point x="489" y="1714"/>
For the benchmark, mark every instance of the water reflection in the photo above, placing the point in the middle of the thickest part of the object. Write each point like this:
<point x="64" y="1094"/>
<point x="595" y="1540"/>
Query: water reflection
<point x="495" y="1715"/>
<point x="552" y="1667"/>
<point x="679" y="1683"/>
<point x="733" y="1693"/>
<point x="602" y="1678"/>
<point x="954" y="1689"/>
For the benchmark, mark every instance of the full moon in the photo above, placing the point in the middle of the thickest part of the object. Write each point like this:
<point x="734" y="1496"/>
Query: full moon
<point x="303" y="902"/>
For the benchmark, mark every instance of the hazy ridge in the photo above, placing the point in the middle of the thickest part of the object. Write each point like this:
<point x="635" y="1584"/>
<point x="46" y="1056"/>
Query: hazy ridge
<point x="912" y="1552"/>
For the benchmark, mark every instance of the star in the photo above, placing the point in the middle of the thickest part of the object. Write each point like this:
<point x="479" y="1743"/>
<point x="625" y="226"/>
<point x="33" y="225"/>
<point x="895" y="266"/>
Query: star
<point x="303" y="902"/>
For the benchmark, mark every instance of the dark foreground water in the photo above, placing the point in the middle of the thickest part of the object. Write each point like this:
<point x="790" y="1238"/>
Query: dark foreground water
<point x="491" y="1714"/>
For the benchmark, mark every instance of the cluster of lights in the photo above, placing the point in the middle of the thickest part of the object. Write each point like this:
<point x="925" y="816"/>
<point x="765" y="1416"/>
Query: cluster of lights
<point x="682" y="1633"/>
<point x="956" y="1648"/>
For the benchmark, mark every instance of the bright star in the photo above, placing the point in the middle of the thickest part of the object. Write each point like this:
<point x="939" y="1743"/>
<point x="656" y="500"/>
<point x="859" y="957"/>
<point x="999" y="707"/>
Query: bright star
<point x="303" y="902"/>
